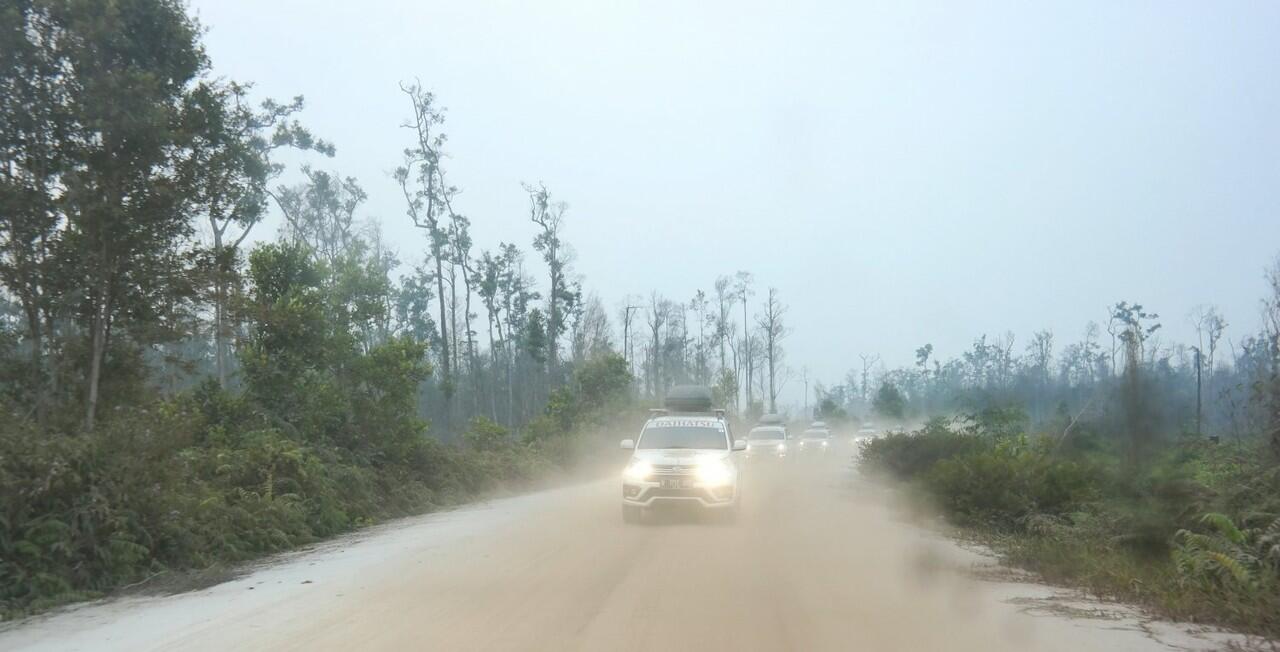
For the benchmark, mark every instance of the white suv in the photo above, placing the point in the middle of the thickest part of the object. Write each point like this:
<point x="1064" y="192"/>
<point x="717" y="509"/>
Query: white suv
<point x="682" y="459"/>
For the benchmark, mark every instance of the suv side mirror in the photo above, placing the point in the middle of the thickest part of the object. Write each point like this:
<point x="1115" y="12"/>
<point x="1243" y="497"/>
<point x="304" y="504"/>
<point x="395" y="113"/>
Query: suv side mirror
<point x="628" y="444"/>
<point x="739" y="444"/>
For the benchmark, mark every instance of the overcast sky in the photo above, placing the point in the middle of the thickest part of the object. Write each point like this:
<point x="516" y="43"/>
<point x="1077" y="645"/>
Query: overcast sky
<point x="902" y="173"/>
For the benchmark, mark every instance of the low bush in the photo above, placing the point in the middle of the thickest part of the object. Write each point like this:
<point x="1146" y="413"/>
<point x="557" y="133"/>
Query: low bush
<point x="1001" y="489"/>
<point x="1194" y="534"/>
<point x="906" y="455"/>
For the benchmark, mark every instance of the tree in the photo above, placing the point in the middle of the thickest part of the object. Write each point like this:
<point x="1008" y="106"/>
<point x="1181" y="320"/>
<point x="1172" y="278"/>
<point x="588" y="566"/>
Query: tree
<point x="742" y="290"/>
<point x="460" y="247"/>
<point x="125" y="71"/>
<point x="427" y="197"/>
<point x="489" y="280"/>
<point x="548" y="215"/>
<point x="1271" y="334"/>
<point x="1040" y="352"/>
<point x="889" y="402"/>
<point x="868" y="361"/>
<point x="772" y="332"/>
<point x="35" y="119"/>
<point x="722" y="333"/>
<point x="658" y="314"/>
<point x="628" y="316"/>
<point x="701" y="363"/>
<point x="517" y="297"/>
<point x="1134" y="330"/>
<point x="592" y="331"/>
<point x="229" y="170"/>
<point x="320" y="214"/>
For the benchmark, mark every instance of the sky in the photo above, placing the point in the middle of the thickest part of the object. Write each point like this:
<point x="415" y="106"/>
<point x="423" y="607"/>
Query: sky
<point x="903" y="173"/>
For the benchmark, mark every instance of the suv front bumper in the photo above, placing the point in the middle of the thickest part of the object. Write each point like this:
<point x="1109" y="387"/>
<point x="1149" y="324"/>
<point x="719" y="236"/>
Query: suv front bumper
<point x="652" y="493"/>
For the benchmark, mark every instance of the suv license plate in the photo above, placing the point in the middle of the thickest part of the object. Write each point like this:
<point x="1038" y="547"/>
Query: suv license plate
<point x="676" y="484"/>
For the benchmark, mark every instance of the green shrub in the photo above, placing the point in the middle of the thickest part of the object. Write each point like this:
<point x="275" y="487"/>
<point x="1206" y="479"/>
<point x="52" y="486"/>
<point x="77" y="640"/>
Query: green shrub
<point x="908" y="455"/>
<point x="1002" y="489"/>
<point x="205" y="479"/>
<point x="1193" y="533"/>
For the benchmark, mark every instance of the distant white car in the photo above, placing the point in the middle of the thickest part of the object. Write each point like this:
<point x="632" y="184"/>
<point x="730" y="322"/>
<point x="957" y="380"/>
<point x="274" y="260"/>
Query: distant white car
<point x="682" y="459"/>
<point x="767" y="442"/>
<point x="815" y="441"/>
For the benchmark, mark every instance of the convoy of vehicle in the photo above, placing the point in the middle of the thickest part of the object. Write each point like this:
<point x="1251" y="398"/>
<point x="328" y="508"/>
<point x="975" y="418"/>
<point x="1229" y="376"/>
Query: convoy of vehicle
<point x="685" y="455"/>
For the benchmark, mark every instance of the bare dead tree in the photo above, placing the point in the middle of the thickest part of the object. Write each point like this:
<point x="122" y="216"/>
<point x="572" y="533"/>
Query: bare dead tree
<point x="742" y="289"/>
<point x="425" y="192"/>
<point x="772" y="331"/>
<point x="868" y="361"/>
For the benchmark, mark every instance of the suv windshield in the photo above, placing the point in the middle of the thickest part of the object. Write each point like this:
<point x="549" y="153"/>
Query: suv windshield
<point x="817" y="434"/>
<point x="700" y="437"/>
<point x="765" y="433"/>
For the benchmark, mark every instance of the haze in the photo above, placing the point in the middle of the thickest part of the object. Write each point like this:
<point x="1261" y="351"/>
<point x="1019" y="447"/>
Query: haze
<point x="946" y="327"/>
<point x="902" y="174"/>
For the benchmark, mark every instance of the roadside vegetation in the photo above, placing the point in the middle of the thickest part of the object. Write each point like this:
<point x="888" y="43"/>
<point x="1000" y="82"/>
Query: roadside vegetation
<point x="323" y="437"/>
<point x="181" y="389"/>
<point x="1115" y="491"/>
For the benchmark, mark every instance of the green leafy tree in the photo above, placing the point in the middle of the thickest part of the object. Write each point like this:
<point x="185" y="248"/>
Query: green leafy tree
<point x="35" y="120"/>
<point x="126" y="69"/>
<point x="889" y="402"/>
<point x="229" y="170"/>
<point x="548" y="215"/>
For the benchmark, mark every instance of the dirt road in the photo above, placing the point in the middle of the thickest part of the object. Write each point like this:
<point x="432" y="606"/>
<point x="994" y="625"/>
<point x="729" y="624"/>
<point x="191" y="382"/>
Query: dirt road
<point x="817" y="562"/>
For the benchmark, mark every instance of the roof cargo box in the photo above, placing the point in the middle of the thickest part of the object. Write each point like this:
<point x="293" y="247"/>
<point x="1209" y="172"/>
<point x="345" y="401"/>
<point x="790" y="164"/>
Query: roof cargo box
<point x="688" y="398"/>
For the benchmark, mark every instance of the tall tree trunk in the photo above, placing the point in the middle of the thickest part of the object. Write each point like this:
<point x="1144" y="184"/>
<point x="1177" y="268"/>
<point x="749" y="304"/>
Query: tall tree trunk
<point x="446" y="384"/>
<point x="453" y="317"/>
<point x="219" y="308"/>
<point x="493" y="374"/>
<point x="750" y="355"/>
<point x="773" y="395"/>
<point x="470" y="340"/>
<point x="38" y="373"/>
<point x="98" y="345"/>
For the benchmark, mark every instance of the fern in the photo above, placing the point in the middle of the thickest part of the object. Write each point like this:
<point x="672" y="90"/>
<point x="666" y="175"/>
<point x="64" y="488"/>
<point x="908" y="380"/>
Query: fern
<point x="1222" y="523"/>
<point x="1228" y="558"/>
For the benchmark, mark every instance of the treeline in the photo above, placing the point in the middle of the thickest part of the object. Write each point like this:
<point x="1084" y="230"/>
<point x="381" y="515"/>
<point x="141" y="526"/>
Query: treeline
<point x="171" y="397"/>
<point x="701" y="341"/>
<point x="1120" y="377"/>
<point x="1099" y="470"/>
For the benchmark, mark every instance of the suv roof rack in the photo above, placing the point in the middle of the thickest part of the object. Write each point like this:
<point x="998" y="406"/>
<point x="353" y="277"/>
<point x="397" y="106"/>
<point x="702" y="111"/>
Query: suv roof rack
<point x="688" y="398"/>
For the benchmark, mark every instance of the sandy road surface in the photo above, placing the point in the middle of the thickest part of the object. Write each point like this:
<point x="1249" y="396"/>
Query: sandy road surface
<point x="815" y="563"/>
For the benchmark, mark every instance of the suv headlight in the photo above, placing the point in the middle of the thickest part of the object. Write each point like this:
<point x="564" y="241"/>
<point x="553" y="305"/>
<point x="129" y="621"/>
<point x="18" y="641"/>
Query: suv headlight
<point x="714" y="473"/>
<point x="638" y="470"/>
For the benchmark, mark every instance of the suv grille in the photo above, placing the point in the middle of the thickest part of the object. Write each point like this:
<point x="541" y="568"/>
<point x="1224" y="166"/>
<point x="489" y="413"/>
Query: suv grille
<point x="673" y="469"/>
